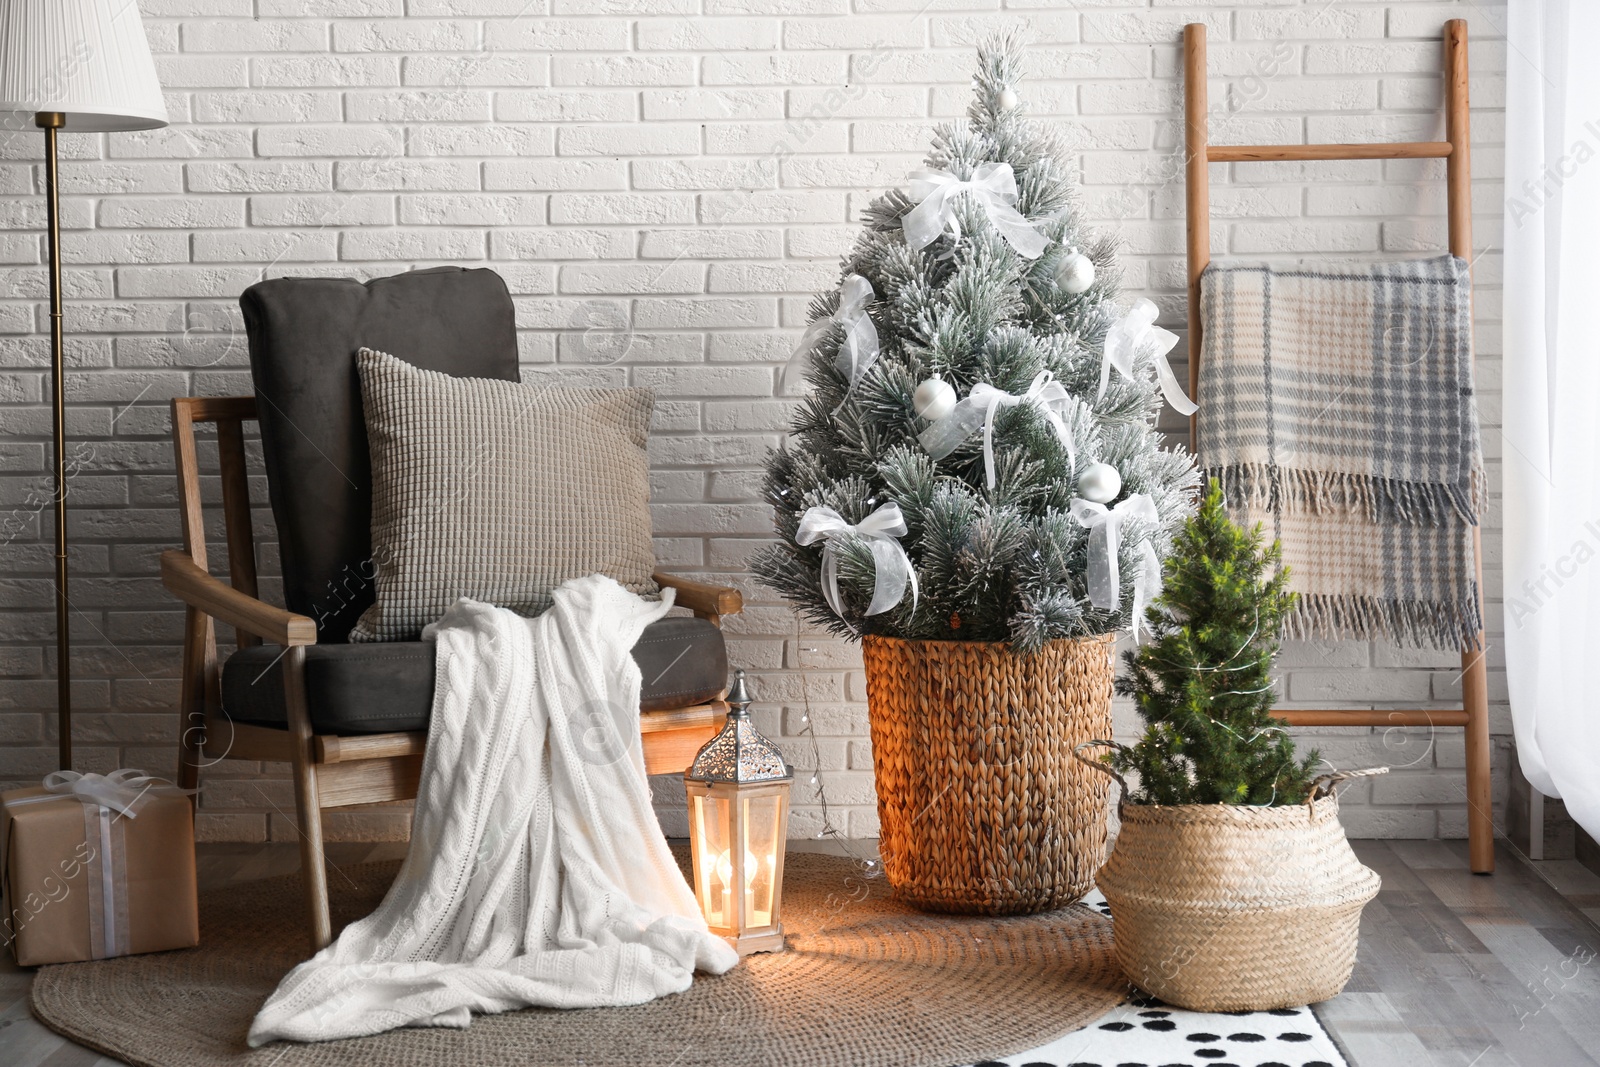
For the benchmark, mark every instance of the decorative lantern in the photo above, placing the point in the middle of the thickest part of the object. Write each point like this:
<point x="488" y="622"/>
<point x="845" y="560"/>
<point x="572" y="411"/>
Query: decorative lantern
<point x="738" y="790"/>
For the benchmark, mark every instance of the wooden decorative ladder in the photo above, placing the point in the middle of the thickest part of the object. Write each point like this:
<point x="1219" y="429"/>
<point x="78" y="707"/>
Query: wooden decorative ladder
<point x="1455" y="150"/>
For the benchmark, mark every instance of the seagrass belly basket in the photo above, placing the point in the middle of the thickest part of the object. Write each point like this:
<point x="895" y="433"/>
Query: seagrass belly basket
<point x="1222" y="907"/>
<point x="982" y="808"/>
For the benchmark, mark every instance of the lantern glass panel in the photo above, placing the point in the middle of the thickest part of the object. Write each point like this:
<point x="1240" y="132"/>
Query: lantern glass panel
<point x="762" y="826"/>
<point x="712" y="823"/>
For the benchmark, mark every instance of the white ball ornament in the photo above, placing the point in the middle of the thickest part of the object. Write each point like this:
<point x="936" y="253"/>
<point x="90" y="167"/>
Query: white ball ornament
<point x="1008" y="99"/>
<point x="1100" y="483"/>
<point x="934" y="399"/>
<point x="1075" y="272"/>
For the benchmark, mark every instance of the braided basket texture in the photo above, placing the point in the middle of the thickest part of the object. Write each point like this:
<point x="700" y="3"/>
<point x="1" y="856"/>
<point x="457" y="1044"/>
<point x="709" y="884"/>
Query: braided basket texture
<point x="982" y="808"/>
<point x="1225" y="908"/>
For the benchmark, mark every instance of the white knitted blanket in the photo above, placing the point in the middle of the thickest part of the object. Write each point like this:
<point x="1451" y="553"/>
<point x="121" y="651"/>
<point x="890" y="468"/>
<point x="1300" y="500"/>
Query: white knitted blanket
<point x="537" y="874"/>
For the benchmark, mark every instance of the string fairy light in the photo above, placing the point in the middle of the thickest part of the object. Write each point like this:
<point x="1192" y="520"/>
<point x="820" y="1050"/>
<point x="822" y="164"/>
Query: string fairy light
<point x="819" y="793"/>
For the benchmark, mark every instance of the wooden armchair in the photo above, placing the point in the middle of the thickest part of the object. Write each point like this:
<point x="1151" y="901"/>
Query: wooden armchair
<point x="257" y="703"/>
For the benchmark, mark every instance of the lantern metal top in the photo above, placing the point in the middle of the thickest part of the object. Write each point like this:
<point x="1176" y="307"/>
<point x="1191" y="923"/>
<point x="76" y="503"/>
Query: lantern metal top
<point x="739" y="753"/>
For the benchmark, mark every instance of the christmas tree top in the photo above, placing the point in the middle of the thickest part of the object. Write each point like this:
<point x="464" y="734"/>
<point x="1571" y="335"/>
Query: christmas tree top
<point x="977" y="458"/>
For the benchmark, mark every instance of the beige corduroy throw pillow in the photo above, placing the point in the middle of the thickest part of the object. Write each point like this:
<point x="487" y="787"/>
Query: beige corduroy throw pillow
<point x="498" y="491"/>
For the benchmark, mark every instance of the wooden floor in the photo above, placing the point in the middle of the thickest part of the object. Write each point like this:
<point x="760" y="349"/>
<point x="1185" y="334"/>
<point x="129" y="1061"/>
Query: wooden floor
<point x="1455" y="969"/>
<point x="1471" y="971"/>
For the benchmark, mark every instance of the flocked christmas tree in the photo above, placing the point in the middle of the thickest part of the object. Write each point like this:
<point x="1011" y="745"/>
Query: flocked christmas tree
<point x="1204" y="685"/>
<point x="977" y="458"/>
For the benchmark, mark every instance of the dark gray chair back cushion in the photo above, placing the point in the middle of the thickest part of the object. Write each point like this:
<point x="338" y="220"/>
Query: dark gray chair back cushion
<point x="304" y="333"/>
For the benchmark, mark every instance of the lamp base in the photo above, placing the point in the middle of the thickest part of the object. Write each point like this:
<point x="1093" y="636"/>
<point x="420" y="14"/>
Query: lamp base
<point x="749" y="944"/>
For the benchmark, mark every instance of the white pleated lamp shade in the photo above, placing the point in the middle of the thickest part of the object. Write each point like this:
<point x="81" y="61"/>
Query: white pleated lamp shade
<point x="87" y="59"/>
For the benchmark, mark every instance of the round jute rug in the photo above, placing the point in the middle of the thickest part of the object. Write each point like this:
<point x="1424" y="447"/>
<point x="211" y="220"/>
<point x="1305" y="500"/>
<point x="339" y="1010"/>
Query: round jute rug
<point x="864" y="982"/>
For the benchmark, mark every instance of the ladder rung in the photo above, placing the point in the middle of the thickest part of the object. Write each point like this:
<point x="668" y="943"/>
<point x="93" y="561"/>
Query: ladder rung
<point x="1371" y="717"/>
<point x="1249" y="153"/>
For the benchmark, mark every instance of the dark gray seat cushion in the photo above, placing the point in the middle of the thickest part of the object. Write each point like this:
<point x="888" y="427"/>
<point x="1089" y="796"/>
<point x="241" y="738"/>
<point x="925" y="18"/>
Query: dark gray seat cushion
<point x="388" y="686"/>
<point x="304" y="333"/>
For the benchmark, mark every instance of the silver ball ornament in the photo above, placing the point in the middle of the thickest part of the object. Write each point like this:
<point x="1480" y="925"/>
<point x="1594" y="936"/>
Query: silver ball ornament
<point x="934" y="399"/>
<point x="1100" y="483"/>
<point x="1008" y="99"/>
<point x="1075" y="272"/>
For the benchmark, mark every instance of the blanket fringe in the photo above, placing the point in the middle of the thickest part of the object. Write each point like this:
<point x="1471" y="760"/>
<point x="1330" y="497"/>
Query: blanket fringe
<point x="1441" y="624"/>
<point x="1270" y="487"/>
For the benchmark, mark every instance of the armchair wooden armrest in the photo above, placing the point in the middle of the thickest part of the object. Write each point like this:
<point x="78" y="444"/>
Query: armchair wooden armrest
<point x="705" y="600"/>
<point x="197" y="588"/>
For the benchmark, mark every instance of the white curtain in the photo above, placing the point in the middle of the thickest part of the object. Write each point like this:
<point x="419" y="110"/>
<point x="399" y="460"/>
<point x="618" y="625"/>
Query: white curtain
<point x="1551" y="386"/>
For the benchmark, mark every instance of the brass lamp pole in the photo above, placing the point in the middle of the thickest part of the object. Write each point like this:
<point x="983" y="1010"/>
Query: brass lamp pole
<point x="79" y="66"/>
<point x="50" y="122"/>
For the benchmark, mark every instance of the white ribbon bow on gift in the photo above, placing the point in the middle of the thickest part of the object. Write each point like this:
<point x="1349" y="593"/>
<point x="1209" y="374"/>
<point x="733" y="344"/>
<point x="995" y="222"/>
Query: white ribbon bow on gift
<point x="859" y="351"/>
<point x="119" y="790"/>
<point x="880" y="530"/>
<point x="1046" y="395"/>
<point x="1105" y="529"/>
<point x="1130" y="335"/>
<point x="994" y="185"/>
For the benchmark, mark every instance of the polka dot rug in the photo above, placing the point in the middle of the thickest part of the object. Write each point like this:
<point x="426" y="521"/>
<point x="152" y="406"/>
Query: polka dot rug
<point x="1148" y="1033"/>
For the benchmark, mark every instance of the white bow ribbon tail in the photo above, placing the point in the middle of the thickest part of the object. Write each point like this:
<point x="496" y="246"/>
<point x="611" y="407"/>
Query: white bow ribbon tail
<point x="1147" y="586"/>
<point x="994" y="185"/>
<point x="859" y="349"/>
<point x="1046" y="395"/>
<point x="880" y="530"/>
<point x="1132" y="334"/>
<point x="1105" y="536"/>
<point x="119" y="790"/>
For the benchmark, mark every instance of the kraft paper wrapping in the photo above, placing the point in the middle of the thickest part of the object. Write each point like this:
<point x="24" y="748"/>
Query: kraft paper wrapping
<point x="85" y="882"/>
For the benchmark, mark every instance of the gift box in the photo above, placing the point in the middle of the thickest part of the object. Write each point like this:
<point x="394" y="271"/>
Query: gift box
<point x="94" y="866"/>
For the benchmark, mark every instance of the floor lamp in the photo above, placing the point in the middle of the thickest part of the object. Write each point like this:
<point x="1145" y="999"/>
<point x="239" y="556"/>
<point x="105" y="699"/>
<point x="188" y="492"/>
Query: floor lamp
<point x="71" y="66"/>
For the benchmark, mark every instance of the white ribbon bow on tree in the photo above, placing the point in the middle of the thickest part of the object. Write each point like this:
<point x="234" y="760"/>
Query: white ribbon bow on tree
<point x="1105" y="535"/>
<point x="994" y="185"/>
<point x="880" y="531"/>
<point x="1046" y="395"/>
<point x="1131" y="334"/>
<point x="119" y="790"/>
<point x="859" y="350"/>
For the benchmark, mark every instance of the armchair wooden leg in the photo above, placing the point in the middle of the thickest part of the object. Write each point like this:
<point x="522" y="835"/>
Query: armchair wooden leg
<point x="308" y="805"/>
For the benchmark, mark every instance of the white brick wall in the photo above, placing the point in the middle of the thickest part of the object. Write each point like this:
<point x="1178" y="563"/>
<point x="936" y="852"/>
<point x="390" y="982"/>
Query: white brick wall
<point x="662" y="183"/>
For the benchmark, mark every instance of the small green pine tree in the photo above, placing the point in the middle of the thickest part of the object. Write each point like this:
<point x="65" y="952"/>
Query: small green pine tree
<point x="1203" y="685"/>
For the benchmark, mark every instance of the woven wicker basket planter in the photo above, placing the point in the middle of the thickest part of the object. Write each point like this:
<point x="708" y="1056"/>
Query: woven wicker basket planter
<point x="1224" y="908"/>
<point x="982" y="808"/>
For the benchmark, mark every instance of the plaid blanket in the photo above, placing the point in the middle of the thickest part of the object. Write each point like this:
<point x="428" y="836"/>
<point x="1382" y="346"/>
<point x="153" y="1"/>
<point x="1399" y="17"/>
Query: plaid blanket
<point x="1337" y="407"/>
